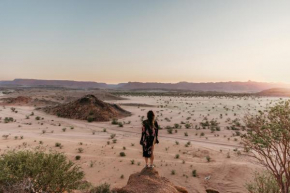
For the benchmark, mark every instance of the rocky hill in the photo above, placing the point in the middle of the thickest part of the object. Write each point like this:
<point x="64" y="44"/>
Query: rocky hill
<point x="149" y="181"/>
<point x="88" y="108"/>
<point x="277" y="92"/>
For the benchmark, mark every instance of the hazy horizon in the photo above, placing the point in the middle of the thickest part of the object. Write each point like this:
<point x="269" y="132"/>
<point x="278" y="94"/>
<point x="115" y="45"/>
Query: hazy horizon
<point x="145" y="41"/>
<point x="143" y="82"/>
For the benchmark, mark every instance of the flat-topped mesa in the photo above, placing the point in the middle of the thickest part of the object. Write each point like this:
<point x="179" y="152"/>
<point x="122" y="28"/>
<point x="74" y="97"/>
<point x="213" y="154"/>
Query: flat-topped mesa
<point x="149" y="181"/>
<point x="88" y="108"/>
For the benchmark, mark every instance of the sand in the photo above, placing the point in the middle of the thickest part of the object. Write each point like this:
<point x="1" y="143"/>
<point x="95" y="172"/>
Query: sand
<point x="228" y="171"/>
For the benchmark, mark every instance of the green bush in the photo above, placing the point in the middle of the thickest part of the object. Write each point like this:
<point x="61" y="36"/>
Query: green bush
<point x="80" y="150"/>
<point x="208" y="159"/>
<point x="27" y="171"/>
<point x="115" y="122"/>
<point x="91" y="118"/>
<point x="103" y="188"/>
<point x="57" y="144"/>
<point x="8" y="119"/>
<point x="263" y="182"/>
<point x="194" y="173"/>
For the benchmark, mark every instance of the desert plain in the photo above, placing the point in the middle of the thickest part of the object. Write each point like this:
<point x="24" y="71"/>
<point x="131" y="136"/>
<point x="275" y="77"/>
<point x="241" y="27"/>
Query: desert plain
<point x="200" y="145"/>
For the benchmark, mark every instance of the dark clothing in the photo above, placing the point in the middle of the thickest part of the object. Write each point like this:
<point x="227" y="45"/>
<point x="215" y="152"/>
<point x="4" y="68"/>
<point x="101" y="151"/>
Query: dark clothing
<point x="149" y="137"/>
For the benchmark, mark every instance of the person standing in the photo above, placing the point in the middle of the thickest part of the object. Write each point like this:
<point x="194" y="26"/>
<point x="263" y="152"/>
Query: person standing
<point x="149" y="138"/>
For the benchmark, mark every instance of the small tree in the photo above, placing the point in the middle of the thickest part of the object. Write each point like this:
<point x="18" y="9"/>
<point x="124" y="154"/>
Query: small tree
<point x="268" y="135"/>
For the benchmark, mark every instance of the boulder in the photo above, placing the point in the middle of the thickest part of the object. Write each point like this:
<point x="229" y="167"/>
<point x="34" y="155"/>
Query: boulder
<point x="149" y="181"/>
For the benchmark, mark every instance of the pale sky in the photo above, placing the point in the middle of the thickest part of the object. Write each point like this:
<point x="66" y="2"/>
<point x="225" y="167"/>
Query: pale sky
<point x="145" y="40"/>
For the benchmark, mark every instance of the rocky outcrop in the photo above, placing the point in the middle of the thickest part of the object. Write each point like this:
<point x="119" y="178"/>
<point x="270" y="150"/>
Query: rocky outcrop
<point x="149" y="181"/>
<point x="26" y="101"/>
<point x="88" y="108"/>
<point x="20" y="100"/>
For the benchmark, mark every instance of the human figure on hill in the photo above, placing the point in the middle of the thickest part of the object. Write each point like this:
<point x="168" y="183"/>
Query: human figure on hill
<point x="149" y="137"/>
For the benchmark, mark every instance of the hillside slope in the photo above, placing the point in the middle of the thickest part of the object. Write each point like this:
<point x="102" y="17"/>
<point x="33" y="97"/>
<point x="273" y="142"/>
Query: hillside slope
<point x="88" y="108"/>
<point x="277" y="92"/>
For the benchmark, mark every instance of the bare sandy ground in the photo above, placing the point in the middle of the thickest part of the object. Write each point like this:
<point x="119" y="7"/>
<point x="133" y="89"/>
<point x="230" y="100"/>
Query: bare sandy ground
<point x="100" y="158"/>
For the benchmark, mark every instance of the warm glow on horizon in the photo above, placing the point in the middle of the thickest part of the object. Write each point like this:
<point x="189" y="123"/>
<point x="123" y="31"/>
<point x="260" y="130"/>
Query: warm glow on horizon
<point x="145" y="41"/>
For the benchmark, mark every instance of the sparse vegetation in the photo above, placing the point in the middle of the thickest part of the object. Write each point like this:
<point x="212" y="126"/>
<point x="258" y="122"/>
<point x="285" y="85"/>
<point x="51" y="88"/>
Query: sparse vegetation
<point x="8" y="119"/>
<point x="57" y="144"/>
<point x="122" y="154"/>
<point x="263" y="182"/>
<point x="80" y="150"/>
<point x="208" y="159"/>
<point x="194" y="173"/>
<point x="103" y="188"/>
<point x="115" y="122"/>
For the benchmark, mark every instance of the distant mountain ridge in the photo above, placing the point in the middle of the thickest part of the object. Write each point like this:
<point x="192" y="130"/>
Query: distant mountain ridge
<point x="234" y="87"/>
<point x="63" y="83"/>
